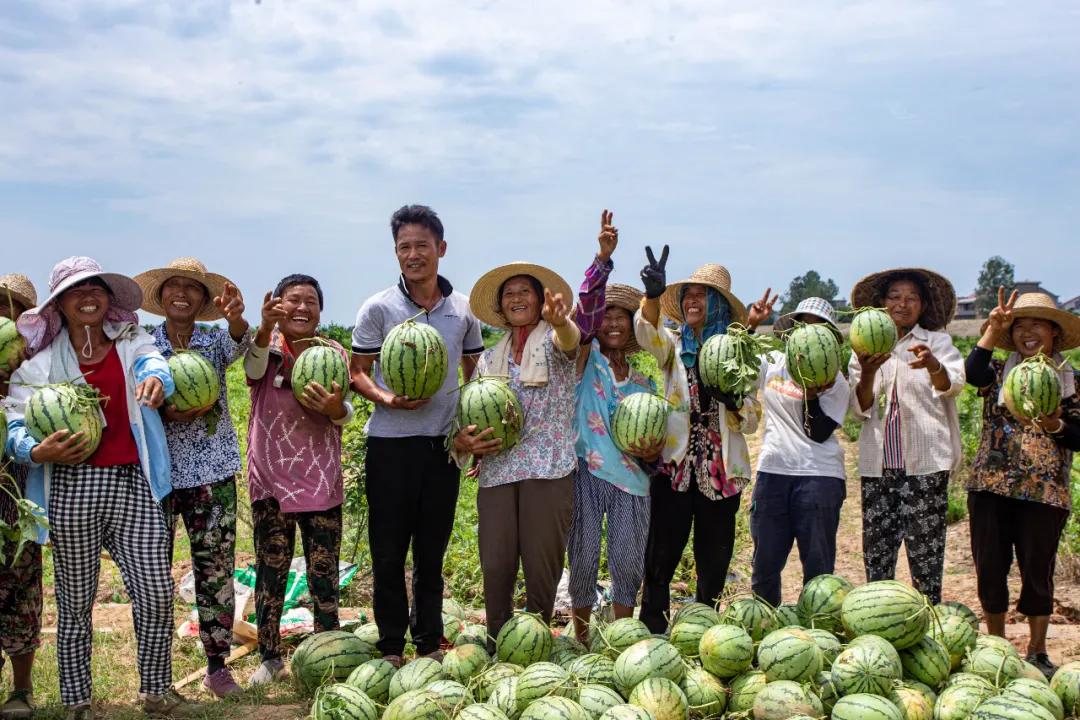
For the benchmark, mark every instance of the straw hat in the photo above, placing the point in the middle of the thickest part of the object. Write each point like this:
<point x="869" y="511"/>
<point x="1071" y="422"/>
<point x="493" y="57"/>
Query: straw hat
<point x="1042" y="306"/>
<point x="188" y="267"/>
<point x="484" y="298"/>
<point x="628" y="298"/>
<point x="937" y="312"/>
<point x="19" y="288"/>
<point x="715" y="276"/>
<point x="818" y="307"/>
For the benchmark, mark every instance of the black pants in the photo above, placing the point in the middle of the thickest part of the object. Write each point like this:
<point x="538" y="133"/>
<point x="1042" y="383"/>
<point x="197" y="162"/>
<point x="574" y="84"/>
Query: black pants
<point x="412" y="489"/>
<point x="673" y="514"/>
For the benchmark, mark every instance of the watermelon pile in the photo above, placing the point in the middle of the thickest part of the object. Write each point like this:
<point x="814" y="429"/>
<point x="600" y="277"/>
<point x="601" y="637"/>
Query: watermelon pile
<point x="872" y="332"/>
<point x="639" y="420"/>
<point x="813" y="355"/>
<point x="322" y="364"/>
<point x="11" y="345"/>
<point x="488" y="402"/>
<point x="886" y="654"/>
<point x="65" y="406"/>
<point x="197" y="383"/>
<point x="1032" y="388"/>
<point x="413" y="360"/>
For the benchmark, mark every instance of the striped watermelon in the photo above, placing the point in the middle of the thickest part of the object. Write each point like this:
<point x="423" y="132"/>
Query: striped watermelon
<point x="827" y="643"/>
<point x="330" y="655"/>
<point x="813" y="355"/>
<point x="956" y="635"/>
<point x="1010" y="707"/>
<point x="865" y="669"/>
<point x="693" y="610"/>
<point x="1000" y="643"/>
<point x="883" y="645"/>
<point x="593" y="668"/>
<point x="726" y="650"/>
<point x="661" y="697"/>
<point x="484" y="683"/>
<point x="789" y="654"/>
<point x="963" y="679"/>
<point x="450" y="606"/>
<point x="826" y="690"/>
<point x="12" y="345"/>
<point x="955" y="607"/>
<point x="540" y="680"/>
<point x="751" y="614"/>
<point x="488" y="402"/>
<point x="373" y="677"/>
<point x="887" y="608"/>
<point x="926" y="661"/>
<point x="322" y="364"/>
<point x="555" y="707"/>
<point x="1032" y="388"/>
<point x="863" y="706"/>
<point x="743" y="689"/>
<point x="613" y="638"/>
<point x="652" y="657"/>
<point x="926" y="690"/>
<point x="640" y="419"/>
<point x="65" y="406"/>
<point x="872" y="331"/>
<point x="416" y="705"/>
<point x="1040" y="692"/>
<point x="1032" y="673"/>
<point x="197" y="383"/>
<point x="704" y="692"/>
<point x="368" y="632"/>
<point x="993" y="663"/>
<point x="1066" y="683"/>
<point x="598" y="699"/>
<point x="452" y="627"/>
<point x="686" y="634"/>
<point x="465" y="662"/>
<point x="718" y="362"/>
<point x="416" y="675"/>
<point x="782" y="699"/>
<point x="627" y="712"/>
<point x="787" y="616"/>
<point x="504" y="697"/>
<point x="452" y="695"/>
<point x="343" y="702"/>
<point x="523" y="640"/>
<point x="820" y="602"/>
<point x="565" y="648"/>
<point x="913" y="704"/>
<point x="481" y="711"/>
<point x="413" y="362"/>
<point x="957" y="702"/>
<point x="472" y="634"/>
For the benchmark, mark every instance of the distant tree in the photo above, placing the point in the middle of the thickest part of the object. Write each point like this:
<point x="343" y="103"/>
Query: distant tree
<point x="808" y="285"/>
<point x="996" y="272"/>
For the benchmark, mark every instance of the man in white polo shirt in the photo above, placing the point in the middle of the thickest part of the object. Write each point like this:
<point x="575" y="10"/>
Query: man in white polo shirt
<point x="412" y="484"/>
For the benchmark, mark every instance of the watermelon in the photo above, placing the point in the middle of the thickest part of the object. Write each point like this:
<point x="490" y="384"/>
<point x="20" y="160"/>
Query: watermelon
<point x="926" y="690"/>
<point x="480" y="711"/>
<point x="197" y="383"/>
<point x="743" y="689"/>
<point x="524" y="639"/>
<point x="343" y="702"/>
<point x="926" y="661"/>
<point x="488" y="402"/>
<point x="12" y="345"/>
<point x="813" y="355"/>
<point x="782" y="699"/>
<point x="787" y="616"/>
<point x="959" y="609"/>
<point x="465" y="662"/>
<point x="452" y="695"/>
<point x="330" y="655"/>
<point x="640" y="419"/>
<point x="993" y="663"/>
<point x="827" y="643"/>
<point x="450" y="606"/>
<point x="1066" y="683"/>
<point x="883" y="646"/>
<point x="889" y="609"/>
<point x="726" y="650"/>
<point x="704" y="692"/>
<point x="731" y="362"/>
<point x="872" y="332"/>
<point x="652" y="657"/>
<point x="598" y="699"/>
<point x="615" y="637"/>
<point x="368" y="632"/>
<point x="696" y="610"/>
<point x="863" y="706"/>
<point x="322" y="364"/>
<point x="472" y="634"/>
<point x="963" y="679"/>
<point x="751" y="614"/>
<point x="957" y="702"/>
<point x="1040" y="692"/>
<point x="593" y="668"/>
<point x="1033" y="388"/>
<point x="1031" y="672"/>
<point x="416" y="705"/>
<point x="484" y="683"/>
<point x="826" y="690"/>
<point x="413" y="362"/>
<point x="452" y="627"/>
<point x="373" y="677"/>
<point x="865" y="669"/>
<point x="686" y="634"/>
<point x="820" y="602"/>
<point x="661" y="697"/>
<point x="956" y="635"/>
<point x="555" y="707"/>
<point x="416" y="675"/>
<point x="913" y="704"/>
<point x="540" y="680"/>
<point x="65" y="406"/>
<point x="1010" y="707"/>
<point x="789" y="654"/>
<point x="627" y="712"/>
<point x="504" y="697"/>
<point x="565" y="648"/>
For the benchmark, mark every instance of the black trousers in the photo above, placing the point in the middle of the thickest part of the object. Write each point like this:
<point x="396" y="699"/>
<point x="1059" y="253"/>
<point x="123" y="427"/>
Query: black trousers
<point x="412" y="490"/>
<point x="673" y="515"/>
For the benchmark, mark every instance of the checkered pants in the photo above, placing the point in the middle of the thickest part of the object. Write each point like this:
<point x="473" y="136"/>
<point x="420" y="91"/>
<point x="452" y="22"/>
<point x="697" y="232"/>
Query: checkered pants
<point x="111" y="507"/>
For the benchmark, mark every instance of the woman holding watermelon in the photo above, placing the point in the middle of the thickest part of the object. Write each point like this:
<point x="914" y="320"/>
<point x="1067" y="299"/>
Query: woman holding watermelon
<point x="1018" y="492"/>
<point x="86" y="332"/>
<point x="294" y="465"/>
<point x="203" y="446"/>
<point x="910" y="441"/>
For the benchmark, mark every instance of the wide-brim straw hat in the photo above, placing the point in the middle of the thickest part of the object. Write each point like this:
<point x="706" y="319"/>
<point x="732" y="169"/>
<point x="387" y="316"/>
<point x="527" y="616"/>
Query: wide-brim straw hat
<point x="939" y="308"/>
<point x="19" y="288"/>
<point x="628" y="298"/>
<point x="1042" y="306"/>
<point x="818" y="307"/>
<point x="484" y="298"/>
<point x="187" y="267"/>
<point x="715" y="276"/>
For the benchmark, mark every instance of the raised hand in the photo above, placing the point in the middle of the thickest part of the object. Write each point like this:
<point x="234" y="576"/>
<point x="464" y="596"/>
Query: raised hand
<point x="272" y="312"/>
<point x="1001" y="317"/>
<point x="230" y="303"/>
<point x="554" y="311"/>
<point x="609" y="236"/>
<point x="761" y="310"/>
<point x="654" y="275"/>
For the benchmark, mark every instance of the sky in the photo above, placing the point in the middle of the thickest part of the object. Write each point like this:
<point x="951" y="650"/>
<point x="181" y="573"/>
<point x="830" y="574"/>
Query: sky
<point x="771" y="136"/>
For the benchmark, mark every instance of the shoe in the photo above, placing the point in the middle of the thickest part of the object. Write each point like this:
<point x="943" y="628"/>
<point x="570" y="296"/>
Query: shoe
<point x="437" y="656"/>
<point x="394" y="660"/>
<point x="19" y="706"/>
<point x="1042" y="662"/>
<point x="221" y="683"/>
<point x="82" y="711"/>
<point x="269" y="671"/>
<point x="171" y="704"/>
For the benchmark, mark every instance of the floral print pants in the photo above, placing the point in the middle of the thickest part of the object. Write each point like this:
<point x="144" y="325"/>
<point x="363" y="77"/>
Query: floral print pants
<point x="910" y="509"/>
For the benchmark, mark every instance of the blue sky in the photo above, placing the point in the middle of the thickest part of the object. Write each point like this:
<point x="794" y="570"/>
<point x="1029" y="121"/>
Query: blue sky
<point x="773" y="137"/>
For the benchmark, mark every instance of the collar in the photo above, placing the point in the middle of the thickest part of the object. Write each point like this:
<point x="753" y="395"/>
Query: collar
<point x="444" y="287"/>
<point x="919" y="333"/>
<point x="200" y="337"/>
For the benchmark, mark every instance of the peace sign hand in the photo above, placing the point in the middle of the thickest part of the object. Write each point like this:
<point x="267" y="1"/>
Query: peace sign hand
<point x="762" y="309"/>
<point x="654" y="275"/>
<point x="1001" y="317"/>
<point x="609" y="236"/>
<point x="554" y="311"/>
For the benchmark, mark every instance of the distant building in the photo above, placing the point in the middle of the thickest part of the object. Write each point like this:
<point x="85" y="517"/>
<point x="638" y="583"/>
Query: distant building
<point x="965" y="308"/>
<point x="1072" y="305"/>
<point x="1030" y="286"/>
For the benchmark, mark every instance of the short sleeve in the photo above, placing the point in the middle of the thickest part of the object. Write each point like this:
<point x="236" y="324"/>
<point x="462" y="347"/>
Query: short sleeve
<point x="473" y="344"/>
<point x="367" y="336"/>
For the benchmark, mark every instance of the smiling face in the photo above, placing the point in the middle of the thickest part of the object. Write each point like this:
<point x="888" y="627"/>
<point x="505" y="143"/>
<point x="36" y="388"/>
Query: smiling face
<point x="301" y="305"/>
<point x="1032" y="336"/>
<point x="904" y="303"/>
<point x="183" y="299"/>
<point x="695" y="305"/>
<point x="418" y="252"/>
<point x="519" y="302"/>
<point x="615" y="330"/>
<point x="85" y="303"/>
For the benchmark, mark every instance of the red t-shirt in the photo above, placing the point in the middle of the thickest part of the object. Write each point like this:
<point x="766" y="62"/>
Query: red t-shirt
<point x="117" y="441"/>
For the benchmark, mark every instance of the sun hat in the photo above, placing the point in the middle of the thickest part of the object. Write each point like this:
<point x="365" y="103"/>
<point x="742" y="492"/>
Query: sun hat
<point x="1042" y="306"/>
<point x="818" y="307"/>
<point x="40" y="324"/>
<point x="151" y="282"/>
<point x="711" y="275"/>
<point x="939" y="309"/>
<point x="628" y="298"/>
<point x="484" y="298"/>
<point x="19" y="288"/>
